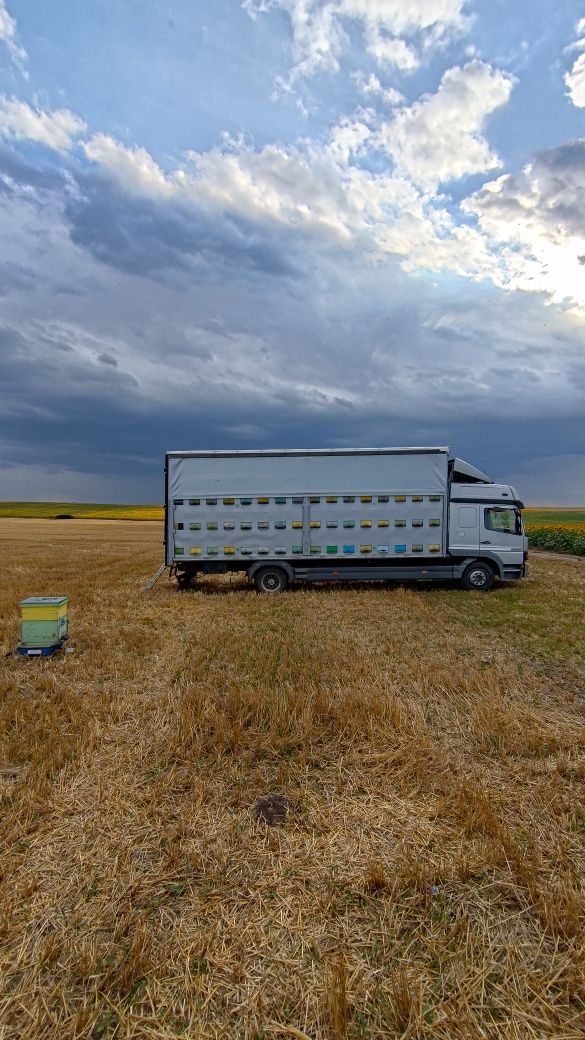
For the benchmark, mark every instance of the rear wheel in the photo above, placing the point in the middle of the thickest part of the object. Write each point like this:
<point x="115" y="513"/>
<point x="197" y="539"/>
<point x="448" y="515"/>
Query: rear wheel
<point x="271" y="579"/>
<point x="478" y="577"/>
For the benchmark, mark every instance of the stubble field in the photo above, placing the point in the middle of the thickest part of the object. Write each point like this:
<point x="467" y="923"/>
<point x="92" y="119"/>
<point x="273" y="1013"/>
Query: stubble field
<point x="428" y="879"/>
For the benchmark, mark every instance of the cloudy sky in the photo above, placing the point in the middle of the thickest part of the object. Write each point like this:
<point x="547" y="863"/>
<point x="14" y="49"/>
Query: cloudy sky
<point x="290" y="223"/>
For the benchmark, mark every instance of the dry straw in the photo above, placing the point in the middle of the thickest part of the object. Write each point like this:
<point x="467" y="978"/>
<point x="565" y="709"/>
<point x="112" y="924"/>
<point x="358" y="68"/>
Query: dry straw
<point x="426" y="880"/>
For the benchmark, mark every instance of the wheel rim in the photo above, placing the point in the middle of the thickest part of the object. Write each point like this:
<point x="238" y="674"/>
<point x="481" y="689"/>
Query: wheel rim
<point x="270" y="582"/>
<point x="477" y="578"/>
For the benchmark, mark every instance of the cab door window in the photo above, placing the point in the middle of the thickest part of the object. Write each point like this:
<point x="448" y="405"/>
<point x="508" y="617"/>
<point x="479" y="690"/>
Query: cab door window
<point x="502" y="520"/>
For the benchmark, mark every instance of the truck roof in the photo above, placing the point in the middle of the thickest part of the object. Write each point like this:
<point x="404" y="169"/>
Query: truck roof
<point x="308" y="451"/>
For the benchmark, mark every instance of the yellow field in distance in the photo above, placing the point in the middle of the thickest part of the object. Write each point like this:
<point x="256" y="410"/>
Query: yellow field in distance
<point x="79" y="511"/>
<point x="569" y="519"/>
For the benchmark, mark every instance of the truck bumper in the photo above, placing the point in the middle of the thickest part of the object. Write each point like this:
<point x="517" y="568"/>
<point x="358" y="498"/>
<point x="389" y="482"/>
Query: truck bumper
<point x="514" y="572"/>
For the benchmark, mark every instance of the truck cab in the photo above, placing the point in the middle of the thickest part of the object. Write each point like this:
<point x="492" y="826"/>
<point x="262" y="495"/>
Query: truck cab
<point x="485" y="522"/>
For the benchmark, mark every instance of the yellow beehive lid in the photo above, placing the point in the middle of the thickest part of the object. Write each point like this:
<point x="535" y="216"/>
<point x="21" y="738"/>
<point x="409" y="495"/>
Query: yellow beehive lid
<point x="43" y="608"/>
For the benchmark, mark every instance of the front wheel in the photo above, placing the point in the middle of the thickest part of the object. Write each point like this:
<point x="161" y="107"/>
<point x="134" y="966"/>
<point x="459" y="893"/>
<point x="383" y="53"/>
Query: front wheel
<point x="271" y="579"/>
<point x="478" y="577"/>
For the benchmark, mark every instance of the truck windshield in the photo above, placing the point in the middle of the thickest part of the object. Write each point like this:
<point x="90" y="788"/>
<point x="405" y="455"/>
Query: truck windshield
<point x="505" y="520"/>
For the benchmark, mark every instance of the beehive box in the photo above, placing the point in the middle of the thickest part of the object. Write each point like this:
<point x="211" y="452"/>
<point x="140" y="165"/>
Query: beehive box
<point x="44" y="621"/>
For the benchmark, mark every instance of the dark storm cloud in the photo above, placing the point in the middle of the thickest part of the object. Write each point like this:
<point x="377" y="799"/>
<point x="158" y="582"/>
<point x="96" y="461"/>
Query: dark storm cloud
<point x="146" y="236"/>
<point x="12" y="349"/>
<point x="44" y="375"/>
<point x="552" y="188"/>
<point x="16" y="171"/>
<point x="112" y="440"/>
<point x="107" y="359"/>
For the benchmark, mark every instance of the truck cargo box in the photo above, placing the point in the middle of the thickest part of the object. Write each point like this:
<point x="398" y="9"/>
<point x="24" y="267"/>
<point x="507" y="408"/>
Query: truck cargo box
<point x="330" y="504"/>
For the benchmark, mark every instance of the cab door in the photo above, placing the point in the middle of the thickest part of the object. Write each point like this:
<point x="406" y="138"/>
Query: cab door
<point x="464" y="527"/>
<point x="501" y="532"/>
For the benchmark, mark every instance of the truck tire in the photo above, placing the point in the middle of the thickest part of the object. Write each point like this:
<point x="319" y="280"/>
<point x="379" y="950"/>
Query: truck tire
<point x="271" y="579"/>
<point x="478" y="577"/>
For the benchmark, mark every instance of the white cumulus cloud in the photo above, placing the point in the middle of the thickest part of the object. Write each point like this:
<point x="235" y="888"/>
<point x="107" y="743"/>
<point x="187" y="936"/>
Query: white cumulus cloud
<point x="391" y="50"/>
<point x="318" y="38"/>
<point x="521" y="232"/>
<point x="57" y="129"/>
<point x="392" y="29"/>
<point x="133" y="168"/>
<point x="327" y="190"/>
<point x="535" y="220"/>
<point x="575" y="77"/>
<point x="371" y="86"/>
<point x="302" y="188"/>
<point x="439" y="138"/>
<point x="401" y="18"/>
<point x="8" y="34"/>
<point x="328" y="184"/>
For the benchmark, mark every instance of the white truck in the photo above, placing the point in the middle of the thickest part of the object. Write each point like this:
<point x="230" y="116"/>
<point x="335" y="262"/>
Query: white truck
<point x="346" y="514"/>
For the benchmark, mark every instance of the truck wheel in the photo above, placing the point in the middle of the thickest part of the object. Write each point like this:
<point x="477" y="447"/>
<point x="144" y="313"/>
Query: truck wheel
<point x="478" y="577"/>
<point x="271" y="579"/>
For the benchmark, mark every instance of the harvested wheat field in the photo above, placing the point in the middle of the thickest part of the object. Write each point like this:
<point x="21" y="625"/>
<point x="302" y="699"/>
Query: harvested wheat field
<point x="426" y="878"/>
